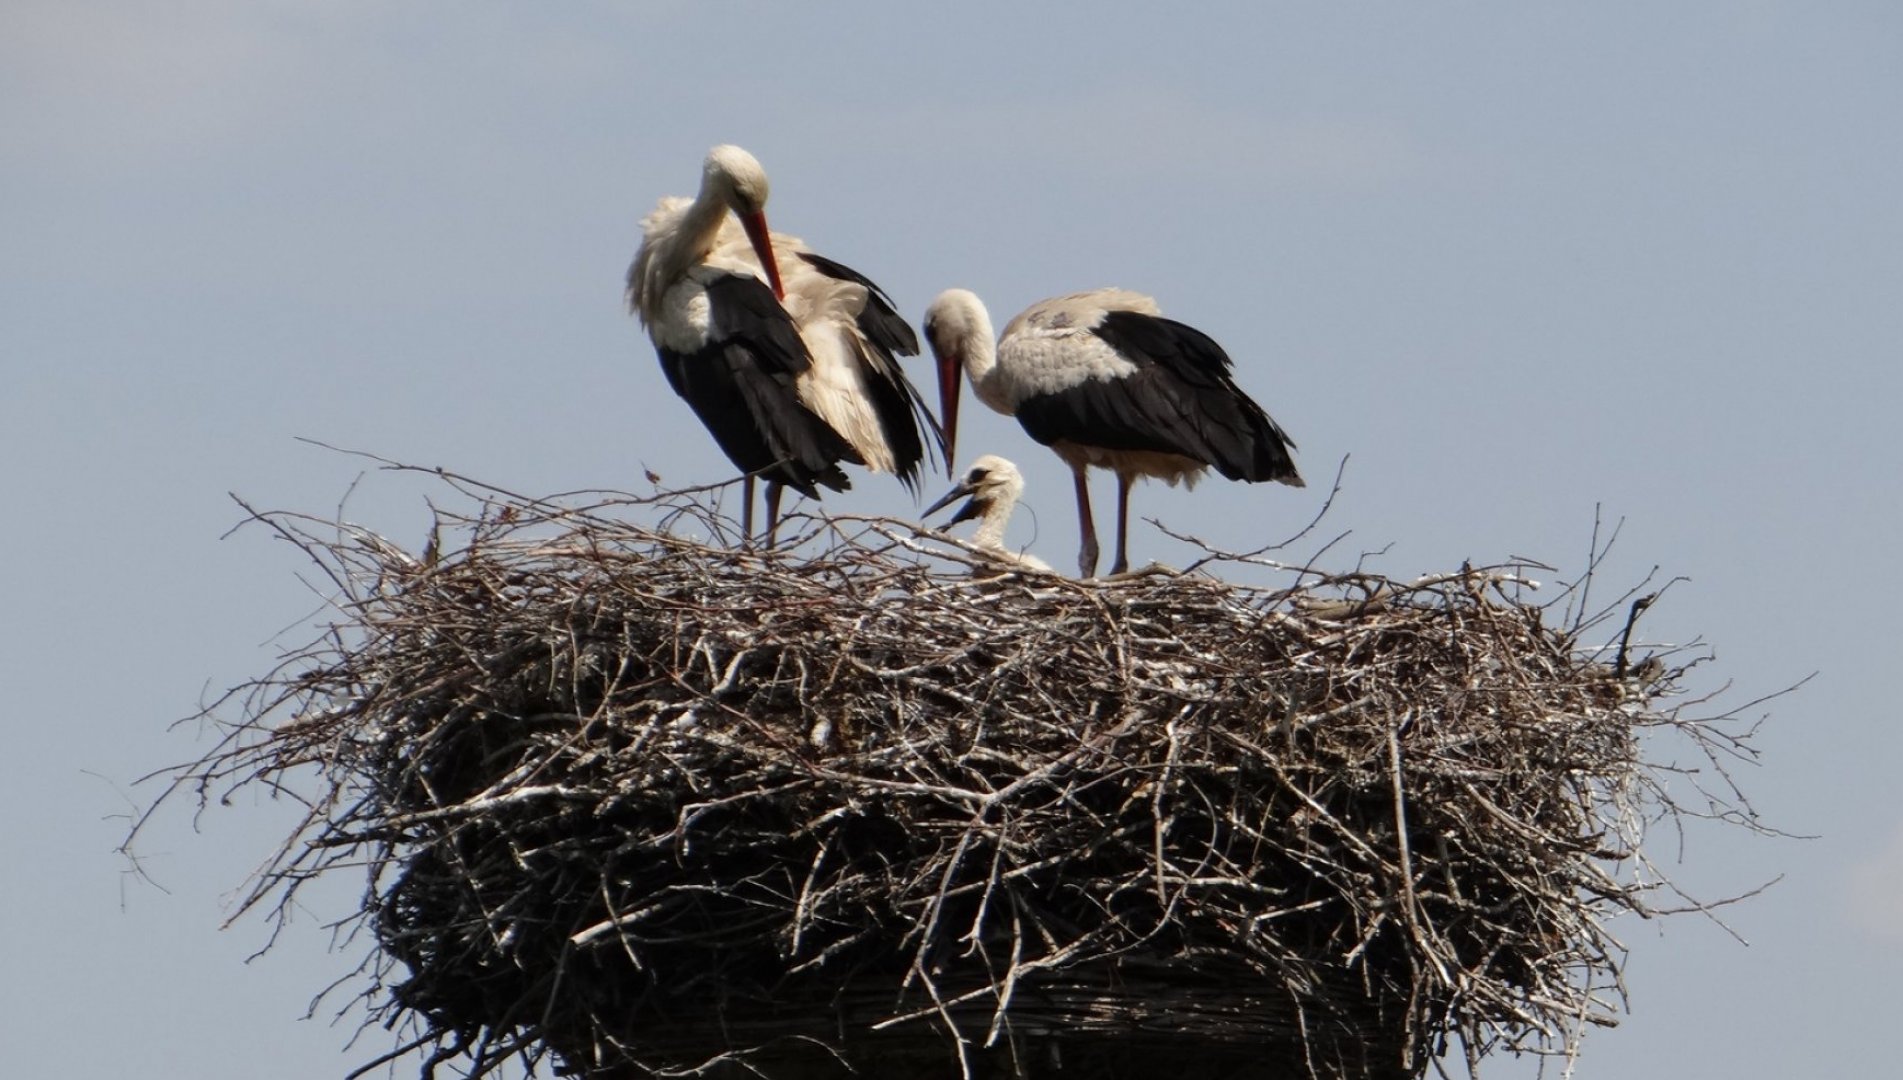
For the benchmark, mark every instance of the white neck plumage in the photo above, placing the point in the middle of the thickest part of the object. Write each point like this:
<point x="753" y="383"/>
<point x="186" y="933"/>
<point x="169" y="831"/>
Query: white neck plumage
<point x="991" y="523"/>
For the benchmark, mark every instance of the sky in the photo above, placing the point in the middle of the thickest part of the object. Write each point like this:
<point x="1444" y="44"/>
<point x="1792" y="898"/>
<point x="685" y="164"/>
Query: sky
<point x="1510" y="268"/>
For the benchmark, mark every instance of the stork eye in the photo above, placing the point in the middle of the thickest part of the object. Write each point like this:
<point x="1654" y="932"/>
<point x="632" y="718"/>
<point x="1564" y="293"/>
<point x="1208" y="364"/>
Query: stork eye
<point x="978" y="476"/>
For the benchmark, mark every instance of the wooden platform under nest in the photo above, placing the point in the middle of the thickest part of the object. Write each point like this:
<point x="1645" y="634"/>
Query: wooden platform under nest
<point x="634" y="803"/>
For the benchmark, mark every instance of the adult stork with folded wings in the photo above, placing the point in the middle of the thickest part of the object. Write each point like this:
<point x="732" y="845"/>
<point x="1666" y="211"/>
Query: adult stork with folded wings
<point x="1103" y="379"/>
<point x="789" y="358"/>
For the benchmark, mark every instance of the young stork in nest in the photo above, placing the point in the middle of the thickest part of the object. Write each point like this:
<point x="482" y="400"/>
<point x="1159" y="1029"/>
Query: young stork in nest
<point x="788" y="358"/>
<point x="994" y="486"/>
<point x="1103" y="379"/>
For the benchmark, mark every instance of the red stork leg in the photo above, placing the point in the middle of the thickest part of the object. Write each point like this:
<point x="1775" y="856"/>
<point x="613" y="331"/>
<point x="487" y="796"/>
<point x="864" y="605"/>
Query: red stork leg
<point x="1087" y="555"/>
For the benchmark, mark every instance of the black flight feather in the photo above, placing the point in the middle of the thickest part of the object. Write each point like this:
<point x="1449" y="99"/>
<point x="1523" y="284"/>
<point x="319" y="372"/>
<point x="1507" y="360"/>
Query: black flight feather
<point x="1180" y="400"/>
<point x="902" y="412"/>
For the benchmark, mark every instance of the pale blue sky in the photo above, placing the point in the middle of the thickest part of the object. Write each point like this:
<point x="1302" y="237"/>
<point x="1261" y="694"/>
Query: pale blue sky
<point x="1516" y="261"/>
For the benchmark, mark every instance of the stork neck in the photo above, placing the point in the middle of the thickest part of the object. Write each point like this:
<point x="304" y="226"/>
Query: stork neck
<point x="991" y="525"/>
<point x="980" y="352"/>
<point x="700" y="224"/>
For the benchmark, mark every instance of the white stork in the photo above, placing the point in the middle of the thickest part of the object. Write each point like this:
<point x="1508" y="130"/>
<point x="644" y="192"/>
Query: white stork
<point x="994" y="486"/>
<point x="1103" y="379"/>
<point x="788" y="357"/>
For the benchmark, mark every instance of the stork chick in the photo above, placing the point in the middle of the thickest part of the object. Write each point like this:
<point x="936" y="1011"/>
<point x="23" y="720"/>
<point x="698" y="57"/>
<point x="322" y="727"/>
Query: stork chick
<point x="993" y="487"/>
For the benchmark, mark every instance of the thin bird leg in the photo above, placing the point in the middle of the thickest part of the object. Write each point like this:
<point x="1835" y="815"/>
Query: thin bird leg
<point x="772" y="510"/>
<point x="746" y="512"/>
<point x="1087" y="556"/>
<point x="1124" y="480"/>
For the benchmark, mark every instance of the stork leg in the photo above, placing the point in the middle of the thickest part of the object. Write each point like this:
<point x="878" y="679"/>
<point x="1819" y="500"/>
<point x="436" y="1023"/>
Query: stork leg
<point x="772" y="510"/>
<point x="746" y="512"/>
<point x="1124" y="480"/>
<point x="1087" y="555"/>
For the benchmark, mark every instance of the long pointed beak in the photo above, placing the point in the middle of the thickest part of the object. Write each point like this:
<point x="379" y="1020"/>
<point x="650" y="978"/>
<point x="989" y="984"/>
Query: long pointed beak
<point x="969" y="510"/>
<point x="762" y="241"/>
<point x="949" y="363"/>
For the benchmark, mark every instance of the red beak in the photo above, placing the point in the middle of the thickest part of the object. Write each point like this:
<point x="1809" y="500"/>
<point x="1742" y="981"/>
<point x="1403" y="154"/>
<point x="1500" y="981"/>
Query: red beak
<point x="949" y="363"/>
<point x="762" y="241"/>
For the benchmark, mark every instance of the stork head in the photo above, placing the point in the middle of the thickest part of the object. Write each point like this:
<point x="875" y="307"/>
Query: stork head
<point x="736" y="178"/>
<point x="990" y="480"/>
<point x="959" y="331"/>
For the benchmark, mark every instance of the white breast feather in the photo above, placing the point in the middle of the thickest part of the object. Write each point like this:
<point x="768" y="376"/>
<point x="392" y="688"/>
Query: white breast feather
<point x="685" y="319"/>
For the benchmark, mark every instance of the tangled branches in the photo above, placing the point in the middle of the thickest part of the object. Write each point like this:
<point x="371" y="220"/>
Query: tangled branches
<point x="634" y="804"/>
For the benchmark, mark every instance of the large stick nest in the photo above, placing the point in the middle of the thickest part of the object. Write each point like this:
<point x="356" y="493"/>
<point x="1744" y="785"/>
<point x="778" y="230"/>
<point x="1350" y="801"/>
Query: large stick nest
<point x="636" y="803"/>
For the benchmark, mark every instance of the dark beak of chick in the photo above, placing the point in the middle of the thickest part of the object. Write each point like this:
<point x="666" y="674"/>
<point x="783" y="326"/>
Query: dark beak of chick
<point x="966" y="512"/>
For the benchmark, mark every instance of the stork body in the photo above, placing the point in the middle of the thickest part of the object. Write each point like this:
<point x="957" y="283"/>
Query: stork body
<point x="788" y="358"/>
<point x="992" y="487"/>
<point x="1103" y="379"/>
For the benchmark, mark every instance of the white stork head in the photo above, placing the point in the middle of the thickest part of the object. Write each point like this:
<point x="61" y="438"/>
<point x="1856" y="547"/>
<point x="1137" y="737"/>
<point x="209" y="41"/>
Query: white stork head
<point x="994" y="485"/>
<point x="959" y="330"/>
<point x="732" y="176"/>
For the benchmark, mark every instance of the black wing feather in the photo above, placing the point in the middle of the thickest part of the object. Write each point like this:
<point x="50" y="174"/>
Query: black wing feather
<point x="880" y="322"/>
<point x="902" y="412"/>
<point x="1180" y="400"/>
<point x="742" y="386"/>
